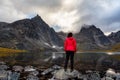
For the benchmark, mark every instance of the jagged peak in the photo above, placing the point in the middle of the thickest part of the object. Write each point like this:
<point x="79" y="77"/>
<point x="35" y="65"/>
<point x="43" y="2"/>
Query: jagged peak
<point x="37" y="17"/>
<point x="90" y="29"/>
<point x="114" y="33"/>
<point x="88" y="26"/>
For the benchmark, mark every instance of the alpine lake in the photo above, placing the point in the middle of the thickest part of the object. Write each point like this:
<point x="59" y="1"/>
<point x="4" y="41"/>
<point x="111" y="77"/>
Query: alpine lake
<point x="82" y="60"/>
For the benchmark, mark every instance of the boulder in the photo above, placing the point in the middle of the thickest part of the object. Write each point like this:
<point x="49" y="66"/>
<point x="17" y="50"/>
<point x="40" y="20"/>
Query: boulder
<point x="62" y="75"/>
<point x="35" y="73"/>
<point x="32" y="77"/>
<point x="18" y="68"/>
<point x="3" y="67"/>
<point x="29" y="68"/>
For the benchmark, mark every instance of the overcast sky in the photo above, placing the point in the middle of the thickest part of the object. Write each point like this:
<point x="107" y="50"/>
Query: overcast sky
<point x="65" y="15"/>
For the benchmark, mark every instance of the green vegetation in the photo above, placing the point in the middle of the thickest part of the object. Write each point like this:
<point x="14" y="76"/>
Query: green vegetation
<point x="116" y="48"/>
<point x="8" y="52"/>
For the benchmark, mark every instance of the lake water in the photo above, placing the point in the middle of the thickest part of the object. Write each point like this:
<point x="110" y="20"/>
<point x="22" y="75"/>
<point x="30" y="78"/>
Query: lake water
<point x="98" y="60"/>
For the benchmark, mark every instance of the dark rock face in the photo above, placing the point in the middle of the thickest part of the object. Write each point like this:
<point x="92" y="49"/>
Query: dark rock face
<point x="91" y="38"/>
<point x="62" y="35"/>
<point x="115" y="37"/>
<point x="28" y="34"/>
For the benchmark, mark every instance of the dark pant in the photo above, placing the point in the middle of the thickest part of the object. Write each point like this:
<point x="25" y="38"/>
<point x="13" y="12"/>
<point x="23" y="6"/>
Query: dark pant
<point x="69" y="55"/>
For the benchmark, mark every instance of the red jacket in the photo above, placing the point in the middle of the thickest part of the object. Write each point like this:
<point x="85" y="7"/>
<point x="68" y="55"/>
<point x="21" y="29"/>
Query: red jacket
<point x="70" y="44"/>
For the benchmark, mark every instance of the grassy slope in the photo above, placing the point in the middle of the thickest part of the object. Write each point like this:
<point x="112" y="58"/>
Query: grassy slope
<point x="8" y="52"/>
<point x="116" y="48"/>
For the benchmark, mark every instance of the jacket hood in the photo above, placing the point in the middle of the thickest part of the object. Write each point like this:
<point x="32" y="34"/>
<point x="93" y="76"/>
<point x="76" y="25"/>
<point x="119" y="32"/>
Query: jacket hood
<point x="70" y="38"/>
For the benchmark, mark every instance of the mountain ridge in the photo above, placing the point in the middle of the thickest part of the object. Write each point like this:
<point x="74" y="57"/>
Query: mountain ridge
<point x="91" y="38"/>
<point x="35" y="34"/>
<point x="29" y="34"/>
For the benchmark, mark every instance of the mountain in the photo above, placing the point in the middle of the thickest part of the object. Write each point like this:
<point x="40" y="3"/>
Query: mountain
<point x="92" y="38"/>
<point x="115" y="37"/>
<point x="2" y="24"/>
<point x="62" y="35"/>
<point x="29" y="34"/>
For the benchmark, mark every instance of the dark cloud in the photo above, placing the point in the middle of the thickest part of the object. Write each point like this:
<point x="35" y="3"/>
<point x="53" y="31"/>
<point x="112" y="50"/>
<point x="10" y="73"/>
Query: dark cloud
<point x="103" y="13"/>
<point x="112" y="17"/>
<point x="69" y="15"/>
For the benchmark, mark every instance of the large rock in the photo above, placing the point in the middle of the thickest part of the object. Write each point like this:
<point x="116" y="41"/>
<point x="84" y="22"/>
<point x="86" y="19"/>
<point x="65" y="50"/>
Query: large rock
<point x="107" y="78"/>
<point x="2" y="63"/>
<point x="62" y="75"/>
<point x="29" y="68"/>
<point x="49" y="70"/>
<point x="4" y="74"/>
<point x="118" y="76"/>
<point x="32" y="77"/>
<point x="18" y="68"/>
<point x="8" y="75"/>
<point x="3" y="67"/>
<point x="111" y="73"/>
<point x="35" y="73"/>
<point x="92" y="75"/>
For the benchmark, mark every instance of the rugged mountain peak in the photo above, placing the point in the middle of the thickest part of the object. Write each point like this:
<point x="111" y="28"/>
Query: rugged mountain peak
<point x="37" y="17"/>
<point x="92" y="38"/>
<point x="115" y="36"/>
<point x="85" y="26"/>
<point x="90" y="29"/>
<point x="29" y="34"/>
<point x="114" y="33"/>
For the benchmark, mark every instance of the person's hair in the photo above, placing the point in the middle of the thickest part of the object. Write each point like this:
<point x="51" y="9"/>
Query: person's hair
<point x="70" y="34"/>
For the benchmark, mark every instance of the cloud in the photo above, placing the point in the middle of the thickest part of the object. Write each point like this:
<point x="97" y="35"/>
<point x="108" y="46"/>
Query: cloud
<point x="8" y="13"/>
<point x="103" y="13"/>
<point x="65" y="15"/>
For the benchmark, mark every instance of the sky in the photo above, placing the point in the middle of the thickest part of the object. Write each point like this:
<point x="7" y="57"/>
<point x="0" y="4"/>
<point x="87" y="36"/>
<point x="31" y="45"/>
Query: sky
<point x="65" y="15"/>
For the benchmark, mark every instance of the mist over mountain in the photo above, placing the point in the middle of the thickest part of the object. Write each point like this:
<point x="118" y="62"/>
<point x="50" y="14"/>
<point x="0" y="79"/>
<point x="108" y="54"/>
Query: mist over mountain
<point x="29" y="34"/>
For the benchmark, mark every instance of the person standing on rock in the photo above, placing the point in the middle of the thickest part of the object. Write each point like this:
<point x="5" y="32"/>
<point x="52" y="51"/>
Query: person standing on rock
<point x="70" y="49"/>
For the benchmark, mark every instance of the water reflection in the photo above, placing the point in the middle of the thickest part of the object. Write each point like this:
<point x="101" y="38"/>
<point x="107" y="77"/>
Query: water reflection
<point x="82" y="60"/>
<point x="109" y="53"/>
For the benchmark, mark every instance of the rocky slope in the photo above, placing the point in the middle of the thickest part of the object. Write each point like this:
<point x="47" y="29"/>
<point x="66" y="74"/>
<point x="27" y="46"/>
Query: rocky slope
<point x="115" y="36"/>
<point x="90" y="38"/>
<point x="29" y="34"/>
<point x="62" y="35"/>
